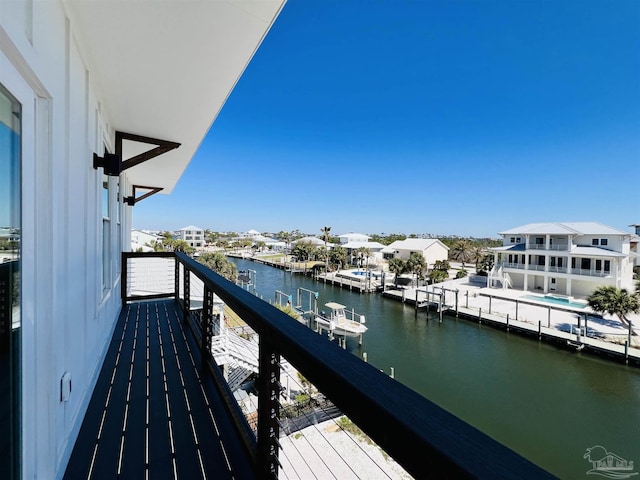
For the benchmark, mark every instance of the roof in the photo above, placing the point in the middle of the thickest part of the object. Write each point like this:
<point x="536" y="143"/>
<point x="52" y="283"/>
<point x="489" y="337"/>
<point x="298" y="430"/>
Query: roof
<point x="518" y="247"/>
<point x="596" y="252"/>
<point x="311" y="240"/>
<point x="334" y="306"/>
<point x="564" y="228"/>
<point x="165" y="69"/>
<point x="416" y="244"/>
<point x="191" y="227"/>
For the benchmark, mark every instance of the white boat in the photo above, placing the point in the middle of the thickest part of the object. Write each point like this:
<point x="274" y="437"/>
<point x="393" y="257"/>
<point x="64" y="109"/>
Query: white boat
<point x="341" y="321"/>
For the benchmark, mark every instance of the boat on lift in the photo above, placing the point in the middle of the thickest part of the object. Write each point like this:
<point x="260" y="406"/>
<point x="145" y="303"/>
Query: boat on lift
<point x="341" y="321"/>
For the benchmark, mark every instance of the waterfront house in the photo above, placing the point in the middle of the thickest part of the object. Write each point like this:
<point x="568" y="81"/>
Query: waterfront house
<point x="430" y="248"/>
<point x="123" y="81"/>
<point x="571" y="259"/>
<point x="193" y="235"/>
<point x="353" y="237"/>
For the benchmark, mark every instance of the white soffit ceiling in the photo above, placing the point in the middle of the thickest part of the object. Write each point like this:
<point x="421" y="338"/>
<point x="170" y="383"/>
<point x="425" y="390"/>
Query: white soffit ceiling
<point x="165" y="68"/>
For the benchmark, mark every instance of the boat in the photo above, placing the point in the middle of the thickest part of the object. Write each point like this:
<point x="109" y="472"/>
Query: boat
<point x="341" y="321"/>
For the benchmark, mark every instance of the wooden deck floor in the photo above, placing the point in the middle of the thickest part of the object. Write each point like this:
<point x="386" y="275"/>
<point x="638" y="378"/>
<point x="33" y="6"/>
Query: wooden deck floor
<point x="152" y="415"/>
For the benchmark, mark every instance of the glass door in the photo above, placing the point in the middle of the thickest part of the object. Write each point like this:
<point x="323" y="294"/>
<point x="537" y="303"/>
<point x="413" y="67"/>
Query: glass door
<point x="10" y="204"/>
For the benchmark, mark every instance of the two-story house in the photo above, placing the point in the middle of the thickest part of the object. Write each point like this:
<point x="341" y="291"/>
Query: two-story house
<point x="193" y="235"/>
<point x="569" y="259"/>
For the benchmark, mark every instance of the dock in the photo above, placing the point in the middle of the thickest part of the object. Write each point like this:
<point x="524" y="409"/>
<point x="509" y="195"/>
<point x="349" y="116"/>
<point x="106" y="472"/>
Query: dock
<point x="360" y="285"/>
<point x="576" y="338"/>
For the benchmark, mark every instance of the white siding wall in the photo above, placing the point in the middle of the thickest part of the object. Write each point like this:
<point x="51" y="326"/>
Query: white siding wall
<point x="67" y="316"/>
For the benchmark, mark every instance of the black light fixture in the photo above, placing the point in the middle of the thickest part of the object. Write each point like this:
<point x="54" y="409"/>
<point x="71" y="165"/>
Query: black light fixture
<point x="111" y="163"/>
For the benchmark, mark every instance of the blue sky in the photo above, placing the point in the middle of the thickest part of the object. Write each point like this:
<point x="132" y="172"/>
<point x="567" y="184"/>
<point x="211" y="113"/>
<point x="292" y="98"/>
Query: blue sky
<point x="446" y="117"/>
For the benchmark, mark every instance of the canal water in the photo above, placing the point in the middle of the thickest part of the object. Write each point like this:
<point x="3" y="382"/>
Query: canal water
<point x="547" y="404"/>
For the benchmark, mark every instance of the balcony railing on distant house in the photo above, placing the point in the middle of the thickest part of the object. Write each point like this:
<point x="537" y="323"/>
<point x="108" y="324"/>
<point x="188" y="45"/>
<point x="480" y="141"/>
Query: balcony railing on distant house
<point x="555" y="269"/>
<point x="513" y="265"/>
<point x="542" y="246"/>
<point x="422" y="437"/>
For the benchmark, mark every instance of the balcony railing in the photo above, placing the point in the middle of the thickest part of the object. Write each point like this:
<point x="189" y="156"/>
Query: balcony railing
<point x="538" y="268"/>
<point x="422" y="437"/>
<point x="513" y="265"/>
<point x="590" y="272"/>
<point x="555" y="246"/>
<point x="554" y="269"/>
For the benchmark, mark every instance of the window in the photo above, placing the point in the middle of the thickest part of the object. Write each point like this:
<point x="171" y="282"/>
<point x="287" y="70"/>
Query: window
<point x="598" y="265"/>
<point x="106" y="233"/>
<point x="10" y="273"/>
<point x="539" y="241"/>
<point x="585" y="264"/>
<point x="595" y="242"/>
<point x="607" y="266"/>
<point x="518" y="239"/>
<point x="513" y="239"/>
<point x="604" y="242"/>
<point x="573" y="263"/>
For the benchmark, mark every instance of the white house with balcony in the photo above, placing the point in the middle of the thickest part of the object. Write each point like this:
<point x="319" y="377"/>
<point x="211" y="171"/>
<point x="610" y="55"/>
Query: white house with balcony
<point x="193" y="235"/>
<point x="569" y="259"/>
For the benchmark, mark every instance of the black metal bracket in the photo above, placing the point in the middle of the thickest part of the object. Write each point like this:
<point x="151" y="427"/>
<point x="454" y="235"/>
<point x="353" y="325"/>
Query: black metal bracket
<point x="110" y="162"/>
<point x="132" y="200"/>
<point x="162" y="146"/>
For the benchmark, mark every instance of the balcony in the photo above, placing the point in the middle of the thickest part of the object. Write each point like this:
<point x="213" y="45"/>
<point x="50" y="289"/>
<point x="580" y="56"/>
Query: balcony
<point x="590" y="272"/>
<point x="513" y="265"/>
<point x="162" y="407"/>
<point x="554" y="269"/>
<point x="552" y="247"/>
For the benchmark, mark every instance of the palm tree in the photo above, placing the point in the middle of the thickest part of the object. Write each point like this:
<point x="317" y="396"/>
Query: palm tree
<point x="615" y="301"/>
<point x="325" y="236"/>
<point x="461" y="251"/>
<point x="220" y="264"/>
<point x="477" y="253"/>
<point x="397" y="266"/>
<point x="417" y="265"/>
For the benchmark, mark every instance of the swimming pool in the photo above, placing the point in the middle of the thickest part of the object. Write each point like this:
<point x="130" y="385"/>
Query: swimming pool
<point x="359" y="273"/>
<point x="560" y="301"/>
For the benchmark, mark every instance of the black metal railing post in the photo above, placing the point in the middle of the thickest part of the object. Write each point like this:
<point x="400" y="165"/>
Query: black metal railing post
<point x="207" y="326"/>
<point x="186" y="305"/>
<point x="268" y="408"/>
<point x="176" y="280"/>
<point x="124" y="277"/>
